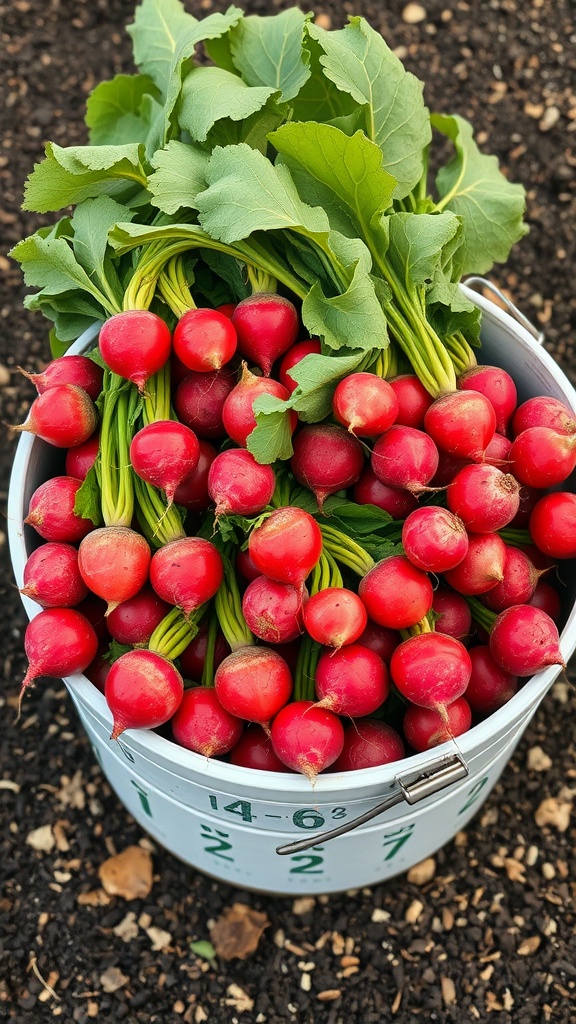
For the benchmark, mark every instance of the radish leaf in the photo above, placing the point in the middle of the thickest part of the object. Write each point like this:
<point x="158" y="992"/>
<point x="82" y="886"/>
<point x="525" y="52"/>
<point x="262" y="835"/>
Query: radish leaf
<point x="179" y="175"/>
<point x="68" y="176"/>
<point x="114" y="110"/>
<point x="269" y="51"/>
<point x="210" y="94"/>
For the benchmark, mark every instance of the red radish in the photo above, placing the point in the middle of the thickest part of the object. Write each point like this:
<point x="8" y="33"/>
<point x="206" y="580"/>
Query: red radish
<point x="201" y="723"/>
<point x="367" y="744"/>
<point x="540" y="457"/>
<point x="143" y="690"/>
<point x="81" y="458"/>
<point x="431" y="670"/>
<point x="193" y="657"/>
<point x="537" y="557"/>
<point x="461" y="423"/>
<point x="98" y="669"/>
<point x="548" y="599"/>
<point x="369" y="490"/>
<point x="51" y="576"/>
<point x="365" y="404"/>
<point x="482" y="567"/>
<point x="64" y="416"/>
<point x="425" y="728"/>
<point x="114" y="562"/>
<point x="204" y="340"/>
<point x="253" y="683"/>
<point x="51" y="511"/>
<point x="434" y="539"/>
<point x="192" y="492"/>
<point x="413" y="400"/>
<point x="246" y="566"/>
<point x="518" y="585"/>
<point x="448" y="467"/>
<point x="326" y="459"/>
<point x="58" y="642"/>
<point x="71" y="369"/>
<point x="490" y="687"/>
<point x="528" y="498"/>
<point x="291" y="358"/>
<point x="199" y="400"/>
<point x="498" y="451"/>
<point x="177" y="373"/>
<point x="227" y="308"/>
<point x="273" y="611"/>
<point x="454" y="615"/>
<point x="484" y="498"/>
<point x="553" y="524"/>
<point x="286" y="546"/>
<point x="238" y="484"/>
<point x="351" y="681"/>
<point x="395" y="593"/>
<point x="135" y="344"/>
<point x="254" y="750"/>
<point x="497" y="386"/>
<point x="307" y="738"/>
<point x="380" y="639"/>
<point x="266" y="325"/>
<point x="524" y="640"/>
<point x="133" y="621"/>
<point x="405" y="457"/>
<point x="335" y="617"/>
<point x="164" y="453"/>
<point x="186" y="572"/>
<point x="237" y="413"/>
<point x="544" y="411"/>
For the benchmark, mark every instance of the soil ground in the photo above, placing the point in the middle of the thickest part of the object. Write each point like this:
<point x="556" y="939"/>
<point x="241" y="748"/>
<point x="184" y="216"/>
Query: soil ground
<point x="489" y="933"/>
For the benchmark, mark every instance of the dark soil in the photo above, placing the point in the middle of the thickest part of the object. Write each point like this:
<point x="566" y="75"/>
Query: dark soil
<point x="491" y="936"/>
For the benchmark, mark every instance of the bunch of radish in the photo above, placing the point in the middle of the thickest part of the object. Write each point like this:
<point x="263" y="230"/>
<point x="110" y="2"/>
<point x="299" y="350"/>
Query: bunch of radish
<point x="207" y="601"/>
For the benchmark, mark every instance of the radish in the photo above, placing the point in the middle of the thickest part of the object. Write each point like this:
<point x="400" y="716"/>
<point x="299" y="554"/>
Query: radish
<point x="461" y="423"/>
<point x="227" y="308"/>
<point x="412" y="398"/>
<point x="335" y="617"/>
<point x="528" y="496"/>
<point x="254" y="750"/>
<point x="133" y="621"/>
<point x="434" y="539"/>
<point x="63" y="416"/>
<point x="544" y="411"/>
<point x="266" y="325"/>
<point x="405" y="457"/>
<point x="51" y="576"/>
<point x="164" y="453"/>
<point x="541" y="457"/>
<point x="135" y="344"/>
<point x="482" y="567"/>
<point x="395" y="593"/>
<point x="367" y="744"/>
<point x="497" y="386"/>
<point x="326" y="459"/>
<point x="246" y="566"/>
<point x="186" y="572"/>
<point x="286" y="546"/>
<point x="192" y="492"/>
<point x="425" y="728"/>
<point x="431" y="670"/>
<point x="238" y="484"/>
<point x="548" y="599"/>
<point x="380" y="639"/>
<point x="291" y="358"/>
<point x="81" y="458"/>
<point x="518" y="585"/>
<point x="253" y="683"/>
<point x="365" y="404"/>
<point x="448" y="467"/>
<point x="237" y="414"/>
<point x="199" y="400"/>
<point x="484" y="498"/>
<point x="498" y="451"/>
<point x="193" y="657"/>
<point x="71" y="369"/>
<point x="351" y="681"/>
<point x="114" y="562"/>
<point x="307" y="738"/>
<point x="490" y="687"/>
<point x="58" y="642"/>
<point x="454" y="615"/>
<point x="98" y="669"/>
<point x="143" y="690"/>
<point x="201" y="723"/>
<point x="204" y="340"/>
<point x="51" y="511"/>
<point x="553" y="524"/>
<point x="273" y="611"/>
<point x="524" y="640"/>
<point x="369" y="490"/>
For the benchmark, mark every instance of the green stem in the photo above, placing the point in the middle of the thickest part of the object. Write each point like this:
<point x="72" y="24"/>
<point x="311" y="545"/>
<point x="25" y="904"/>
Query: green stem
<point x="305" y="672"/>
<point x="160" y="523"/>
<point x="157" y="398"/>
<point x="346" y="551"/>
<point x="482" y="615"/>
<point x="208" y="667"/>
<point x="424" y="626"/>
<point x="173" y="287"/>
<point x="516" y="538"/>
<point x="460" y="352"/>
<point x="228" y="607"/>
<point x="261" y="281"/>
<point x="116" y="478"/>
<point x="173" y="634"/>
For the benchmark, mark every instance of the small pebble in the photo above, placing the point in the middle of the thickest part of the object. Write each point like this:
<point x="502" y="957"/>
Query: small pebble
<point x="413" y="13"/>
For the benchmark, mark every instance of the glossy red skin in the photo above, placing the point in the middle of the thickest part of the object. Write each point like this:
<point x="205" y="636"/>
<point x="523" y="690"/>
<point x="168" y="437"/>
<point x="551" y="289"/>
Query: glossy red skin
<point x="81" y="458"/>
<point x="425" y="728"/>
<point x="483" y="566"/>
<point x="201" y="723"/>
<point x="552" y="524"/>
<point x="405" y="457"/>
<point x="193" y="657"/>
<point x="291" y="358"/>
<point x="186" y="572"/>
<point x="63" y="416"/>
<point x="365" y="404"/>
<point x="490" y="687"/>
<point x="227" y="308"/>
<point x="287" y="545"/>
<point x="307" y="738"/>
<point x="254" y="750"/>
<point x="461" y="423"/>
<point x="326" y="459"/>
<point x="51" y="576"/>
<point x="51" y="511"/>
<point x="192" y="492"/>
<point x="548" y="599"/>
<point x="454" y="615"/>
<point x="164" y="453"/>
<point x="380" y="639"/>
<point x="413" y="400"/>
<point x="352" y="681"/>
<point x="335" y="616"/>
<point x="114" y="562"/>
<point x="485" y="498"/>
<point x="497" y="386"/>
<point x="237" y="413"/>
<point x="434" y="539"/>
<point x="135" y="344"/>
<point x="238" y="484"/>
<point x="71" y="369"/>
<point x="367" y="744"/>
<point x="541" y="457"/>
<point x="58" y="642"/>
<point x="204" y="340"/>
<point x="369" y="490"/>
<point x="267" y="326"/>
<point x="98" y="669"/>
<point x="498" y="451"/>
<point x="273" y="611"/>
<point x="133" y="621"/>
<point x="544" y="411"/>
<point x="253" y="683"/>
<point x="518" y="585"/>
<point x="246" y="566"/>
<point x="396" y="594"/>
<point x="431" y="670"/>
<point x="524" y="639"/>
<point x="143" y="690"/>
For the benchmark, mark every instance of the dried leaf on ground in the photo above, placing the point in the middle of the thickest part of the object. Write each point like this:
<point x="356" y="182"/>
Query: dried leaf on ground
<point x="237" y="932"/>
<point x="128" y="874"/>
<point x="41" y="839"/>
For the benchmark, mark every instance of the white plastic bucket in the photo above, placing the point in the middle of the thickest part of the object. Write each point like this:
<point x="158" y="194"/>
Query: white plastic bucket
<point x="229" y="821"/>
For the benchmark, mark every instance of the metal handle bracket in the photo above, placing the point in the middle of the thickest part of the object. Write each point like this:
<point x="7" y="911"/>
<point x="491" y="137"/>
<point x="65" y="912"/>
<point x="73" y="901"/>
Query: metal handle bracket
<point x="483" y="282"/>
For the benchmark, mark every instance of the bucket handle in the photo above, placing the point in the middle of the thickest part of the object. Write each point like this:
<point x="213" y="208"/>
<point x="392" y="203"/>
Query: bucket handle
<point x="483" y="282"/>
<point x="412" y="787"/>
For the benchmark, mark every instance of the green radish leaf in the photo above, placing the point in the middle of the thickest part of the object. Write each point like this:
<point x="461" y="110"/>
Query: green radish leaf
<point x="210" y="94"/>
<point x="68" y="176"/>
<point x="268" y="51"/>
<point x="72" y="313"/>
<point x="472" y="186"/>
<point x="50" y="264"/>
<point x="415" y="244"/>
<point x="87" y="502"/>
<point x="113" y="110"/>
<point x="57" y="346"/>
<point x="179" y="175"/>
<point x="317" y="377"/>
<point x="318" y="98"/>
<point x="358" y="61"/>
<point x="271" y="438"/>
<point x="91" y="223"/>
<point x="253" y="130"/>
<point x="231" y="272"/>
